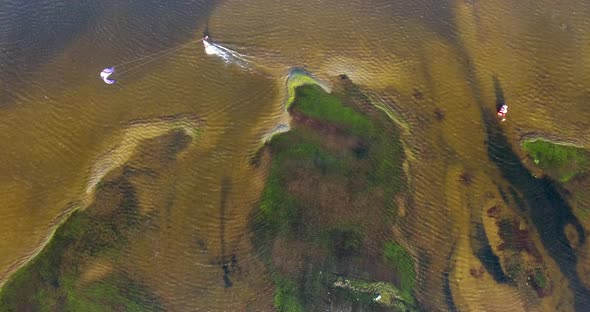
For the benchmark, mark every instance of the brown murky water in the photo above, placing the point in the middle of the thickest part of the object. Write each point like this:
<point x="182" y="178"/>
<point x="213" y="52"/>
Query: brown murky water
<point x="433" y="61"/>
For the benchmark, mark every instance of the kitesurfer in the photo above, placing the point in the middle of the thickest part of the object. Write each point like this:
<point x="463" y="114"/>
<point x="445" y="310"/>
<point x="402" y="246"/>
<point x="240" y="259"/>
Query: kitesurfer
<point x="210" y="48"/>
<point x="503" y="111"/>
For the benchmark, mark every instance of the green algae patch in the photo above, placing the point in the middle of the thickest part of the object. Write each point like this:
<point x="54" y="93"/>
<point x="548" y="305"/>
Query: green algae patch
<point x="315" y="103"/>
<point x="298" y="78"/>
<point x="562" y="162"/>
<point x="328" y="199"/>
<point x="398" y="257"/>
<point x="287" y="297"/>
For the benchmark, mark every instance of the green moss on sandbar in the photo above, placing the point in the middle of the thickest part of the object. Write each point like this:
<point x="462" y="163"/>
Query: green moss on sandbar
<point x="287" y="297"/>
<point x="351" y="150"/>
<point x="312" y="101"/>
<point x="398" y="257"/>
<point x="562" y="162"/>
<point x="298" y="78"/>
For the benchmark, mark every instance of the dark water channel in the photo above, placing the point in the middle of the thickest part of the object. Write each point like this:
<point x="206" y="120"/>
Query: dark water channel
<point x="545" y="206"/>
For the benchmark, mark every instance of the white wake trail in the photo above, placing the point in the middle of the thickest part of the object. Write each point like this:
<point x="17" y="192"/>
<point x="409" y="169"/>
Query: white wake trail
<point x="228" y="55"/>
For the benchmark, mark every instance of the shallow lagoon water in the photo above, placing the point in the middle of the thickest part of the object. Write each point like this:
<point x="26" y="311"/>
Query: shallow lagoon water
<point x="433" y="63"/>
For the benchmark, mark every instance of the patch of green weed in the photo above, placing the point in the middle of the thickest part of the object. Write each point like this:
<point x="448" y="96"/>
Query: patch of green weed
<point x="563" y="162"/>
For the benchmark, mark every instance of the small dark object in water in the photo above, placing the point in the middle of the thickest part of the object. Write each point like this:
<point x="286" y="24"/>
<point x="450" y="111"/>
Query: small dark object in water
<point x="234" y="264"/>
<point x="202" y="245"/>
<point x="439" y="114"/>
<point x="477" y="273"/>
<point x="418" y="95"/>
<point x="494" y="212"/>
<point x="343" y="77"/>
<point x="466" y="178"/>
<point x="227" y="281"/>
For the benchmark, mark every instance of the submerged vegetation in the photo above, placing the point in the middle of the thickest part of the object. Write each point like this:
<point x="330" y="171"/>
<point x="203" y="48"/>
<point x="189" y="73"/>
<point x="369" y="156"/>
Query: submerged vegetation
<point x="52" y="280"/>
<point x="58" y="280"/>
<point x="562" y="162"/>
<point x="330" y="197"/>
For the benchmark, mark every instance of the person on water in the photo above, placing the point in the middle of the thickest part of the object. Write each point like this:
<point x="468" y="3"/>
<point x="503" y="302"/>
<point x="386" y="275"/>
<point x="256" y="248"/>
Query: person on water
<point x="503" y="111"/>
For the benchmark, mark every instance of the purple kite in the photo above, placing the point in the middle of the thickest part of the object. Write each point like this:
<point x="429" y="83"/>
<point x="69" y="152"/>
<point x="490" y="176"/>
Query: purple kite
<point x="105" y="73"/>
